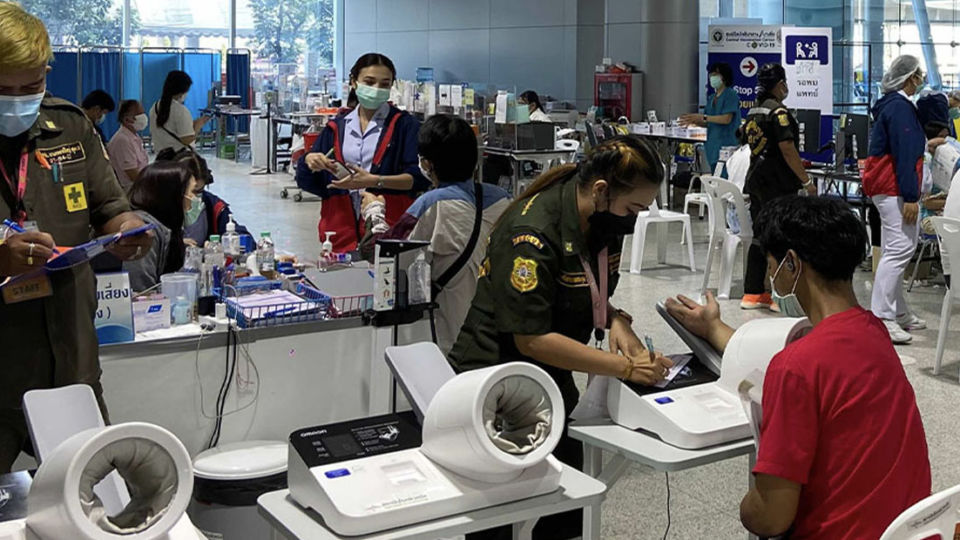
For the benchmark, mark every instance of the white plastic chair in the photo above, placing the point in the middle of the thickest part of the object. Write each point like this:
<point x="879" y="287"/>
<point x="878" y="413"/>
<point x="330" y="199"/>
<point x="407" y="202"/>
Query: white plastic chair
<point x="948" y="229"/>
<point x="936" y="516"/>
<point x="721" y="237"/>
<point x="662" y="218"/>
<point x="56" y="414"/>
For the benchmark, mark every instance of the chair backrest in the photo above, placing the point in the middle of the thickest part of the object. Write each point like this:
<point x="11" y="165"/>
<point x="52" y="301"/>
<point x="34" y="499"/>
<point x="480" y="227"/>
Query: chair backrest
<point x="718" y="210"/>
<point x="948" y="230"/>
<point x="937" y="515"/>
<point x="727" y="190"/>
<point x="56" y="414"/>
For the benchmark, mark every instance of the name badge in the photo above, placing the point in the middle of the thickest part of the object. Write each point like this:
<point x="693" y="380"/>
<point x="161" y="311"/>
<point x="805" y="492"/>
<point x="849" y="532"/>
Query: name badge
<point x="27" y="289"/>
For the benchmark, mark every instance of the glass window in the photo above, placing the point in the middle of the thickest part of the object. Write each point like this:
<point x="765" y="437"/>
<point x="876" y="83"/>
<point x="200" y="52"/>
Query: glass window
<point x="292" y="46"/>
<point x="80" y="22"/>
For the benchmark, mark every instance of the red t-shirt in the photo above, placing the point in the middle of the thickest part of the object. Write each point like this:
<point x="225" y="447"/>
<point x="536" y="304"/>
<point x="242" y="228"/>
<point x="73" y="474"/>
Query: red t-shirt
<point x="840" y="418"/>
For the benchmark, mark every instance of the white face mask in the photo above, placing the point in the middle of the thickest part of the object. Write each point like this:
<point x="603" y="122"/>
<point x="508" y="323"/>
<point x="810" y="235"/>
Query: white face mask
<point x="140" y="122"/>
<point x="424" y="172"/>
<point x="789" y="304"/>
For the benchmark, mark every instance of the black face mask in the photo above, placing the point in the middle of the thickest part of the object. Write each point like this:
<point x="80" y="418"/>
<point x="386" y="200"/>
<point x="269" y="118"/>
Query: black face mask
<point x="606" y="226"/>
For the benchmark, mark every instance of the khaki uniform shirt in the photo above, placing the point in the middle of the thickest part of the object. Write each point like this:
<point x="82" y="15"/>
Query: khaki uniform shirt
<point x="532" y="283"/>
<point x="51" y="341"/>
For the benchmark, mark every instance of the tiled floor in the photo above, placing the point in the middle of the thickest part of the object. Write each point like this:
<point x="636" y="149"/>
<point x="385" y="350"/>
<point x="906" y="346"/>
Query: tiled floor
<point x="704" y="501"/>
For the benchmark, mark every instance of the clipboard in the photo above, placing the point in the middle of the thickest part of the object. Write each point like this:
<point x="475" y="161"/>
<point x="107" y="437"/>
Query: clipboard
<point x="77" y="255"/>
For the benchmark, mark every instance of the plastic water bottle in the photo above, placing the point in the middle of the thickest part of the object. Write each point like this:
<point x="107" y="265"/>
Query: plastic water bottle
<point x="419" y="275"/>
<point x="213" y="252"/>
<point x="265" y="255"/>
<point x="231" y="241"/>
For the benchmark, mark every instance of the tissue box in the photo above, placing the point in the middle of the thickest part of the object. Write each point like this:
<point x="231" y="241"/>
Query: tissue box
<point x="641" y="128"/>
<point x="658" y="128"/>
<point x="151" y="313"/>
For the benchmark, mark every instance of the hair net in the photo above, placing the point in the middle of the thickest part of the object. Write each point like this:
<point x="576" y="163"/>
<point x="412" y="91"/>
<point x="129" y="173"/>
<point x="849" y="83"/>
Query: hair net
<point x="902" y="68"/>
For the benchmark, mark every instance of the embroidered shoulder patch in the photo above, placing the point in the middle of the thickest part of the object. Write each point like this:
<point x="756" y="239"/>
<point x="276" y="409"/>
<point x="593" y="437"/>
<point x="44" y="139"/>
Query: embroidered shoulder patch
<point x="784" y="119"/>
<point x="524" y="275"/>
<point x="531" y="239"/>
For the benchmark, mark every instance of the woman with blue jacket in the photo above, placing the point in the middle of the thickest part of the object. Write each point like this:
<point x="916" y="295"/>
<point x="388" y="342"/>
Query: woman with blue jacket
<point x="892" y="178"/>
<point x="376" y="142"/>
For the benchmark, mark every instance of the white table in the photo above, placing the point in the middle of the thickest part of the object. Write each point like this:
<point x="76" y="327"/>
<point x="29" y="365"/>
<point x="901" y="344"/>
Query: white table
<point x="627" y="445"/>
<point x="577" y="490"/>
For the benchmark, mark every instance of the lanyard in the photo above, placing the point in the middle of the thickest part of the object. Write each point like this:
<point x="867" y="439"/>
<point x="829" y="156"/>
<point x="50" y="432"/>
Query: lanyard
<point x="20" y="188"/>
<point x="598" y="295"/>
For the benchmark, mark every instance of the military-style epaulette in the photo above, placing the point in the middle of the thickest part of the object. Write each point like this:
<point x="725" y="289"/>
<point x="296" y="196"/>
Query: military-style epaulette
<point x="51" y="102"/>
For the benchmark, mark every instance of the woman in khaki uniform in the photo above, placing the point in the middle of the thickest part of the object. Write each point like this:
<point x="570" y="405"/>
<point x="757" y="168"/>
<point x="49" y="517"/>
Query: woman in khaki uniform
<point x="538" y="299"/>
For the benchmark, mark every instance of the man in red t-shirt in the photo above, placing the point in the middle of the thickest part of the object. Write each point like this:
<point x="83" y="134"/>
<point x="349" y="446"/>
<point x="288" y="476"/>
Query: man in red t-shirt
<point x="842" y="450"/>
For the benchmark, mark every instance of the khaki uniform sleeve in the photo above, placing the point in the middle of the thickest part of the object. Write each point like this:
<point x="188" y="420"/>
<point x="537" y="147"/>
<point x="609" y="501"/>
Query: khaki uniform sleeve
<point x="523" y="281"/>
<point x="781" y="125"/>
<point x="105" y="197"/>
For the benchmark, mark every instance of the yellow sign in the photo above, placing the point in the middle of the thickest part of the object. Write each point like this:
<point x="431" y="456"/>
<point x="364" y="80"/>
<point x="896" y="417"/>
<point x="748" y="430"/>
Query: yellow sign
<point x="468" y="97"/>
<point x="524" y="275"/>
<point x="75" y="197"/>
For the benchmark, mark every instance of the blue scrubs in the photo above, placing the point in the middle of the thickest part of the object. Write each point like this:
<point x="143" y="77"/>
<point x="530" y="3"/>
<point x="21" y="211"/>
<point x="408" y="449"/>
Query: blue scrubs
<point x="720" y="135"/>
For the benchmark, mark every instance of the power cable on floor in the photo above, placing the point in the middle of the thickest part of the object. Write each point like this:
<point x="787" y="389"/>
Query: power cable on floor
<point x="666" y="532"/>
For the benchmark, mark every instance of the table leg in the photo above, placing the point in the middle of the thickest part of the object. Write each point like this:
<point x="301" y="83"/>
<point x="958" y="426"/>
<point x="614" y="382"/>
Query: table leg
<point x="592" y="460"/>
<point x="524" y="529"/>
<point x="751" y="463"/>
<point x="591" y="522"/>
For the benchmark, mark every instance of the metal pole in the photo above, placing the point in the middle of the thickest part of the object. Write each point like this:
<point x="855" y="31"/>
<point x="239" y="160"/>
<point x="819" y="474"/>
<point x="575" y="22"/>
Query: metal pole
<point x="233" y="24"/>
<point x="126" y="24"/>
<point x="926" y="43"/>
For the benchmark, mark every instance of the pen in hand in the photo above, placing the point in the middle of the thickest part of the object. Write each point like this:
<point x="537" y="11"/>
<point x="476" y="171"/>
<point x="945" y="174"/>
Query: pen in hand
<point x="17" y="228"/>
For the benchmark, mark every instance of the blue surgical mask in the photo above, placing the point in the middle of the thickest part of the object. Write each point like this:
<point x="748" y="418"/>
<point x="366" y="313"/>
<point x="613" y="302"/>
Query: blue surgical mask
<point x="18" y="113"/>
<point x="716" y="81"/>
<point x="193" y="213"/>
<point x="371" y="97"/>
<point x="789" y="304"/>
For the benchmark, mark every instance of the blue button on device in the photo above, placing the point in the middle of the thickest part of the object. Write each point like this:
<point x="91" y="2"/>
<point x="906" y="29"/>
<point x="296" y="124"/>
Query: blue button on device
<point x="337" y="473"/>
<point x="660" y="400"/>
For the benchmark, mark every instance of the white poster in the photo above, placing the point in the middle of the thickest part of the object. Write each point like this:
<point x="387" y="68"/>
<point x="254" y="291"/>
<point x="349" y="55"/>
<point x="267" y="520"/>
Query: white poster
<point x="807" y="60"/>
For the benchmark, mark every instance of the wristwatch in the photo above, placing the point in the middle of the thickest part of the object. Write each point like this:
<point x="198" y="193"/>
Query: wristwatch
<point x="380" y="182"/>
<point x="704" y="119"/>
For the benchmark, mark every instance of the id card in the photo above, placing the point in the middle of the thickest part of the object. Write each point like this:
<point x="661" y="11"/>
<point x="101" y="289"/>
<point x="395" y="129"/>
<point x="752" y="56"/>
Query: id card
<point x="27" y="289"/>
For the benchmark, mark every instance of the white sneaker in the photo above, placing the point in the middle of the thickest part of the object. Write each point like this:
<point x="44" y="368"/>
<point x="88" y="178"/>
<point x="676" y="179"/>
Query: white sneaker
<point x="897" y="335"/>
<point x="909" y="321"/>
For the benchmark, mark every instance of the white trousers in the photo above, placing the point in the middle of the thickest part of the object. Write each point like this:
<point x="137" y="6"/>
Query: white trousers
<point x="898" y="242"/>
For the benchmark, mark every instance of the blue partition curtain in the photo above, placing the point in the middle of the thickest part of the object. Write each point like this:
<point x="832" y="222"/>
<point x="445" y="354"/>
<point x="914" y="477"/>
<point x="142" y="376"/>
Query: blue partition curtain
<point x="238" y="83"/>
<point x="156" y="65"/>
<point x="200" y="68"/>
<point x="63" y="80"/>
<point x="101" y="71"/>
<point x="131" y="76"/>
<point x="136" y="75"/>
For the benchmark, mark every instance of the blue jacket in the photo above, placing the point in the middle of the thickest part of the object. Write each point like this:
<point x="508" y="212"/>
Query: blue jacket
<point x="897" y="143"/>
<point x="396" y="154"/>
